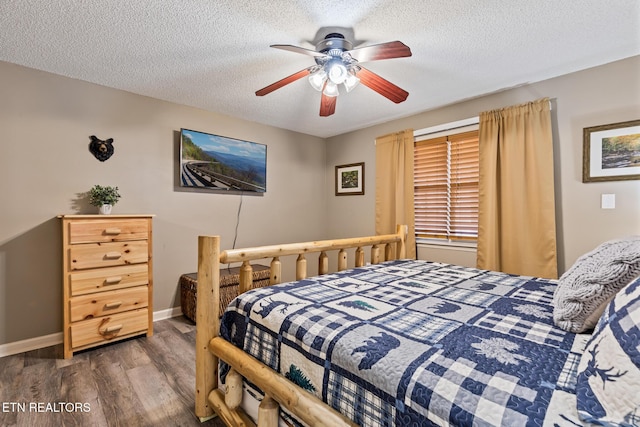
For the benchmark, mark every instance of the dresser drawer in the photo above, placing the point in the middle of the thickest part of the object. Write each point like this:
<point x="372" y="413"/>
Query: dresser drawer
<point x="105" y="329"/>
<point x="92" y="255"/>
<point x="108" y="230"/>
<point x="105" y="303"/>
<point x="106" y="279"/>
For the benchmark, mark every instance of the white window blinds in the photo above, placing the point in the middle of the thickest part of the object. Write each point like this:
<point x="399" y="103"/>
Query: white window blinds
<point x="446" y="187"/>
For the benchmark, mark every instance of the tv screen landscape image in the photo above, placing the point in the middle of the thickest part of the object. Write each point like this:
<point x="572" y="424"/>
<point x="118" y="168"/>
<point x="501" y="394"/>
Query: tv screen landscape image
<point x="216" y="162"/>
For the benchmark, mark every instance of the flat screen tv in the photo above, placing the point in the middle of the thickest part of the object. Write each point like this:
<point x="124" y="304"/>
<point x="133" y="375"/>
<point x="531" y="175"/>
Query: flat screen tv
<point x="216" y="162"/>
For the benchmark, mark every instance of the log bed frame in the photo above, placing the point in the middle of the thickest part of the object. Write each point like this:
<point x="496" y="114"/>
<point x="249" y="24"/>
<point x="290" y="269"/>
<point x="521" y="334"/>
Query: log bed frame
<point x="210" y="347"/>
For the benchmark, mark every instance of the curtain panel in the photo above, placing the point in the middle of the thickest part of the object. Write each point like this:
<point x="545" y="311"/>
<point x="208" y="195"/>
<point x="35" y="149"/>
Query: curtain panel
<point x="394" y="185"/>
<point x="516" y="218"/>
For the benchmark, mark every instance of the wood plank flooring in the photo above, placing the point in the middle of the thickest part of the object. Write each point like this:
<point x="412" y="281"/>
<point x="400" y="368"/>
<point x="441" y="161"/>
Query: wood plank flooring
<point x="138" y="382"/>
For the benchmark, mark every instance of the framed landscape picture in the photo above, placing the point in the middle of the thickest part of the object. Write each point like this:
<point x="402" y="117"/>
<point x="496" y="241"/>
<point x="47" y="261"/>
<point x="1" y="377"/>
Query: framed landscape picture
<point x="350" y="179"/>
<point x="611" y="152"/>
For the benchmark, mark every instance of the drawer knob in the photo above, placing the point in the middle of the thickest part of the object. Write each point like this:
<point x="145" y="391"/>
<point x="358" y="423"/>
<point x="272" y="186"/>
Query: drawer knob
<point x="113" y="280"/>
<point x="112" y="231"/>
<point x="113" y="255"/>
<point x="114" y="304"/>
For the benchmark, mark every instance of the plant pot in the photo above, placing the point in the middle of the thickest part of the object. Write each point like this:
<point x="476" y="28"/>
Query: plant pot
<point x="105" y="209"/>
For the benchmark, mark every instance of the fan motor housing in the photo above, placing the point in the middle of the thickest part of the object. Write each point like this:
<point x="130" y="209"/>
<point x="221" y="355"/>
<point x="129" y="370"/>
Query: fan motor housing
<point x="334" y="41"/>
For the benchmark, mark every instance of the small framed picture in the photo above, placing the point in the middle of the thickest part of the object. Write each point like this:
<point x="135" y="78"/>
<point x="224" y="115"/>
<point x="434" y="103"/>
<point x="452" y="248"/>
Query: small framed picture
<point x="611" y="152"/>
<point x="350" y="179"/>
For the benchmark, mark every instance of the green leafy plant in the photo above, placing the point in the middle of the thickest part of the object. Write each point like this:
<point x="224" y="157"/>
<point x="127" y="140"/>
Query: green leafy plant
<point x="99" y="195"/>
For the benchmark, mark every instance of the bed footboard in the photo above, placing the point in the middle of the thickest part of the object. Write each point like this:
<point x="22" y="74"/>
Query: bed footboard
<point x="209" y="347"/>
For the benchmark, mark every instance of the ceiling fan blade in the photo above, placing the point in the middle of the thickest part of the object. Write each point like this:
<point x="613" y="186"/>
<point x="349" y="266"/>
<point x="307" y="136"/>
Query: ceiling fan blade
<point x="327" y="105"/>
<point x="382" y="86"/>
<point x="377" y="52"/>
<point x="298" y="49"/>
<point x="289" y="79"/>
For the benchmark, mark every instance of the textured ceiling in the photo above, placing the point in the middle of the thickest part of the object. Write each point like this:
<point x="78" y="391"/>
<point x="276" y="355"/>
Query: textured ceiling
<point x="214" y="54"/>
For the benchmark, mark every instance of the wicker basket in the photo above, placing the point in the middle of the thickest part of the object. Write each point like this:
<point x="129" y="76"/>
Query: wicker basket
<point x="229" y="282"/>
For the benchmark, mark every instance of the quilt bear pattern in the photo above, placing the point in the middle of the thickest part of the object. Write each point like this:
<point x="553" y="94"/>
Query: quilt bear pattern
<point x="410" y="342"/>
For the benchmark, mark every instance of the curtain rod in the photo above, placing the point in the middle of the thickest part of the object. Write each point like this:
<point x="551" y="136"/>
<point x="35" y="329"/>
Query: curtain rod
<point x="457" y="124"/>
<point x="447" y="126"/>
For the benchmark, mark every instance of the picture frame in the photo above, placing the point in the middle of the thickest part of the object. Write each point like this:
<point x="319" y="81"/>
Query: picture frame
<point x="350" y="179"/>
<point x="611" y="152"/>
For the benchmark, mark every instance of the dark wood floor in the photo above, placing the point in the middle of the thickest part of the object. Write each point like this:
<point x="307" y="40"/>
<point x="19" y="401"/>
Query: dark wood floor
<point x="138" y="382"/>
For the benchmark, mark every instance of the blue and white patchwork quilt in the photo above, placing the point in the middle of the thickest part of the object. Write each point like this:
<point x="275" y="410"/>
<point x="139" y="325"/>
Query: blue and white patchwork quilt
<point x="417" y="343"/>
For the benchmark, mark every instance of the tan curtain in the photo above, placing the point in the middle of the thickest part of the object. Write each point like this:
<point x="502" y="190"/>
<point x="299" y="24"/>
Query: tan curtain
<point x="516" y="218"/>
<point x="394" y="185"/>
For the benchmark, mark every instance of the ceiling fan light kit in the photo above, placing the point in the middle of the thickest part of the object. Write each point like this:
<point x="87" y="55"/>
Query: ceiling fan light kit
<point x="337" y="71"/>
<point x="325" y="78"/>
<point x="337" y="63"/>
<point x="317" y="79"/>
<point x="330" y="89"/>
<point x="351" y="81"/>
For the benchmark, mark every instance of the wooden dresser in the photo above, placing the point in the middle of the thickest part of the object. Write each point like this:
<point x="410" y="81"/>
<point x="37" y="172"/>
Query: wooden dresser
<point x="107" y="279"/>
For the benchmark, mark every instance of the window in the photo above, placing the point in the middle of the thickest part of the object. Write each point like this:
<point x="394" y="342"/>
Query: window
<point x="446" y="185"/>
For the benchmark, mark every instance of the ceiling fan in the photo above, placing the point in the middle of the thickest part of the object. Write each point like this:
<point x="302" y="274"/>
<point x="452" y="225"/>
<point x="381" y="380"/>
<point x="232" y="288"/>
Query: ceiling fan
<point x="338" y="63"/>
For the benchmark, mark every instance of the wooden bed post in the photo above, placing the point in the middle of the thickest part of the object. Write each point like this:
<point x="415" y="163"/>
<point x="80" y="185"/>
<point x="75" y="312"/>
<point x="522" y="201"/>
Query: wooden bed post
<point x="375" y="254"/>
<point x="323" y="263"/>
<point x="359" y="257"/>
<point x="402" y="231"/>
<point x="276" y="269"/>
<point x="207" y="321"/>
<point x="301" y="267"/>
<point x="342" y="260"/>
<point x="233" y="396"/>
<point x="268" y="412"/>
<point x="246" y="277"/>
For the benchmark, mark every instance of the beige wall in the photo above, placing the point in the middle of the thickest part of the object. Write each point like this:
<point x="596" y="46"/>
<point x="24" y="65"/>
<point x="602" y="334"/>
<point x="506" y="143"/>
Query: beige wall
<point x="45" y="165"/>
<point x="601" y="95"/>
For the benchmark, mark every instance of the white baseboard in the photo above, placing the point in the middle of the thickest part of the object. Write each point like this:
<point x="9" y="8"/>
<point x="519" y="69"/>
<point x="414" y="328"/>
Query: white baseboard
<point x="55" y="339"/>
<point x="167" y="314"/>
<point x="30" y="344"/>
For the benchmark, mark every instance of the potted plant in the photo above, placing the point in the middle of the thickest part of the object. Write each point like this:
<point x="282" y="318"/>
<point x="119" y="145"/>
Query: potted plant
<point x="104" y="198"/>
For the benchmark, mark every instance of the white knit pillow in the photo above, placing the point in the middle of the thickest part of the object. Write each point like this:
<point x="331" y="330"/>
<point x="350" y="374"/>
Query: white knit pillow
<point x="587" y="287"/>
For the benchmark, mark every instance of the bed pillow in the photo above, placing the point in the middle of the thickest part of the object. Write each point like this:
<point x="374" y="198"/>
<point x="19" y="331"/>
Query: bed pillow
<point x="609" y="369"/>
<point x="586" y="288"/>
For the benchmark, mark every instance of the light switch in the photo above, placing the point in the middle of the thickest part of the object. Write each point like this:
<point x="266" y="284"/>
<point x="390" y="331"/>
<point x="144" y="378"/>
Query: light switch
<point x="608" y="201"/>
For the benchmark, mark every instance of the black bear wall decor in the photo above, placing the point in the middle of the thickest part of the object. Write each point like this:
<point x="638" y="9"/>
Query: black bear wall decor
<point x="102" y="150"/>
